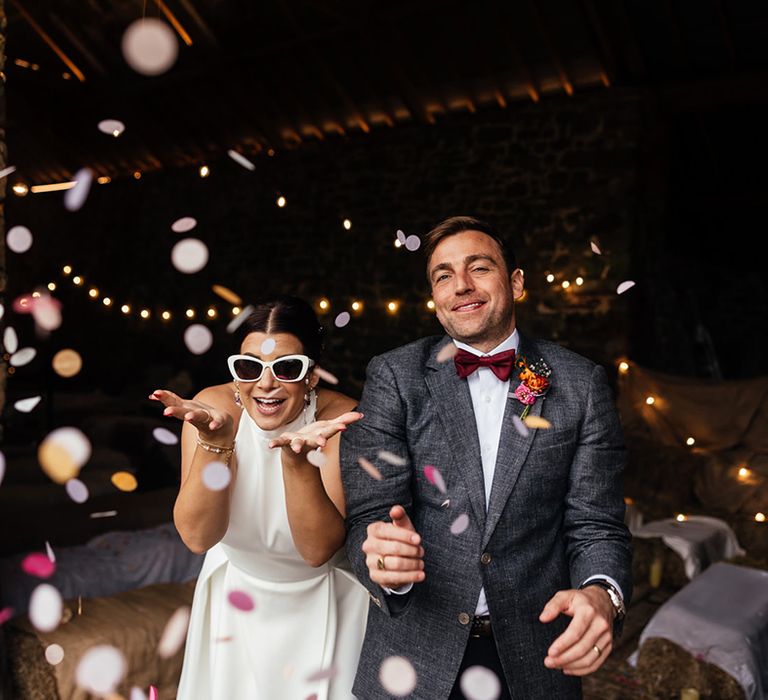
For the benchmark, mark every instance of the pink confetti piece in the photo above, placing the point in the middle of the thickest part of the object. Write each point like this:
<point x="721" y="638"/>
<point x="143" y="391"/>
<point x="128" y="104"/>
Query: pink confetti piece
<point x="236" y="322"/>
<point x="75" y="197"/>
<point x="100" y="669"/>
<point x="312" y="697"/>
<point x="316" y="458"/>
<point x="624" y="286"/>
<point x="189" y="255"/>
<point x="165" y="436"/>
<point x="152" y="692"/>
<point x="370" y="469"/>
<point x="112" y="127"/>
<point x="5" y="172"/>
<point x="45" y="607"/>
<point x="149" y="46"/>
<point x="412" y="243"/>
<point x="184" y="224"/>
<point x="54" y="654"/>
<point x="241" y="600"/>
<point x="198" y="339"/>
<point x="174" y="633"/>
<point x="322" y="674"/>
<point x="520" y="426"/>
<point x="435" y="478"/>
<point x="325" y="375"/>
<point x="447" y="352"/>
<point x="2" y="467"/>
<point x="38" y="564"/>
<point x="23" y="357"/>
<point x="268" y="346"/>
<point x="342" y="319"/>
<point x="10" y="340"/>
<point x="392" y="458"/>
<point x="401" y="237"/>
<point x="23" y="304"/>
<point x="480" y="683"/>
<point x="5" y="614"/>
<point x="397" y="676"/>
<point x="595" y="248"/>
<point x="27" y="405"/>
<point x="460" y="524"/>
<point x="240" y="159"/>
<point x="216" y="476"/>
<point x="19" y="239"/>
<point x="47" y="312"/>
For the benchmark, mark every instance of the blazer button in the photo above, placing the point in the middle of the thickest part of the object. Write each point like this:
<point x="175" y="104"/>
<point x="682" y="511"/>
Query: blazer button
<point x="464" y="618"/>
<point x="485" y="558"/>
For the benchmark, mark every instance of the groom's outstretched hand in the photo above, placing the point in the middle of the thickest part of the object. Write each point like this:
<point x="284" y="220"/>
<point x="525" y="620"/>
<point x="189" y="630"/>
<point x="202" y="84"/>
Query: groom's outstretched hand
<point x="394" y="554"/>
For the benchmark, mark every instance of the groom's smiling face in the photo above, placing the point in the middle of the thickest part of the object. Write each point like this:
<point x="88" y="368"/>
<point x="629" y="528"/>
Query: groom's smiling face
<point x="472" y="289"/>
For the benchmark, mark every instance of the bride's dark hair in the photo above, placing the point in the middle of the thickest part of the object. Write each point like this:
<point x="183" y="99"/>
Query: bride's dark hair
<point x="285" y="314"/>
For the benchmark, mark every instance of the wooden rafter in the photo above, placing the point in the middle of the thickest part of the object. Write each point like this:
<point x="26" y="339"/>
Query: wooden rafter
<point x="557" y="60"/>
<point x="604" y="50"/>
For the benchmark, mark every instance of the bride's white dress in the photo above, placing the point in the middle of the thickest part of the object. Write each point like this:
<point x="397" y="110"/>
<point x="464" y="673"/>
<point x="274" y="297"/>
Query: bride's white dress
<point x="305" y="621"/>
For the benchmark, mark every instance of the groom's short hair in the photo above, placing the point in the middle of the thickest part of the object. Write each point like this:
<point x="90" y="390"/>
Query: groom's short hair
<point x="458" y="224"/>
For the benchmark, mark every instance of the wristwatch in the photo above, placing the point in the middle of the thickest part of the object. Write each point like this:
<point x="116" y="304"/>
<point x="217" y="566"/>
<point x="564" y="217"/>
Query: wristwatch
<point x="616" y="600"/>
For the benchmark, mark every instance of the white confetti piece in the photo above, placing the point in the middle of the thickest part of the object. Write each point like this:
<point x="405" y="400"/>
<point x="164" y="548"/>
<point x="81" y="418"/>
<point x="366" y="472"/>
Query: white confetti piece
<point x="2" y="467"/>
<point x="240" y="159"/>
<point x="49" y="551"/>
<point x="5" y="172"/>
<point x="480" y="683"/>
<point x="100" y="669"/>
<point x="316" y="458"/>
<point x="2" y="311"/>
<point x="149" y="46"/>
<point x="435" y="478"/>
<point x="137" y="694"/>
<point x="184" y="224"/>
<point x="77" y="490"/>
<point x="520" y="426"/>
<point x="54" y="654"/>
<point x="397" y="676"/>
<point x="10" y="340"/>
<point x="325" y="375"/>
<point x="23" y="357"/>
<point x="27" y="405"/>
<point x="412" y="243"/>
<point x="45" y="608"/>
<point x="392" y="458"/>
<point x="113" y="127"/>
<point x="624" y="286"/>
<point x="47" y="312"/>
<point x="595" y="248"/>
<point x="189" y="255"/>
<point x="236" y="322"/>
<point x="268" y="346"/>
<point x="174" y="633"/>
<point x="460" y="524"/>
<point x="165" y="436"/>
<point x="370" y="468"/>
<point x="537" y="423"/>
<point x="216" y="476"/>
<point x="104" y="514"/>
<point x="198" y="339"/>
<point x="342" y="319"/>
<point x="75" y="198"/>
<point x="447" y="352"/>
<point x="19" y="239"/>
<point x="401" y="237"/>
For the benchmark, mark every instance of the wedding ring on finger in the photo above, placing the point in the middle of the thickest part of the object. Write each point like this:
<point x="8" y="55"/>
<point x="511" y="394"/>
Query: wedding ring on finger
<point x="597" y="650"/>
<point x="381" y="564"/>
<point x="208" y="420"/>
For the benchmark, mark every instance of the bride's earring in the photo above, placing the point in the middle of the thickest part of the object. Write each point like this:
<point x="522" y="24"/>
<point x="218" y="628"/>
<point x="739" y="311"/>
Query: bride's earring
<point x="307" y="400"/>
<point x="238" y="400"/>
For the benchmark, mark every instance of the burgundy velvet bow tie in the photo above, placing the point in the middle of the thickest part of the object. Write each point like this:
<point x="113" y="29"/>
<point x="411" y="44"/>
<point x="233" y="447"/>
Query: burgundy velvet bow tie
<point x="501" y="363"/>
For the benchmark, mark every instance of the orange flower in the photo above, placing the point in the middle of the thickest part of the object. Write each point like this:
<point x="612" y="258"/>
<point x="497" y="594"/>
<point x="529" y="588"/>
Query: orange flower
<point x="537" y="384"/>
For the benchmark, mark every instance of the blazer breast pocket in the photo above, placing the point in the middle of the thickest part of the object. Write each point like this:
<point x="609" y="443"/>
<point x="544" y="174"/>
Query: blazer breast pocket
<point x="554" y="439"/>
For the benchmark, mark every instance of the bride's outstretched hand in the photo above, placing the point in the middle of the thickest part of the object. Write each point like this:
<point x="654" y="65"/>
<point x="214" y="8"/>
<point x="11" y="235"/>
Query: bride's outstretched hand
<point x="208" y="420"/>
<point x="315" y="435"/>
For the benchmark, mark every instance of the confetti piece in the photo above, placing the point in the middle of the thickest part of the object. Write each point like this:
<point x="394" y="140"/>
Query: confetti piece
<point x="67" y="363"/>
<point x="5" y="172"/>
<point x="537" y="422"/>
<point x="322" y="674"/>
<point x="227" y="294"/>
<point x="62" y="454"/>
<point x="100" y="669"/>
<point x="104" y="514"/>
<point x="325" y="375"/>
<point x="268" y="346"/>
<point x="38" y="564"/>
<point x="27" y="405"/>
<point x="137" y="694"/>
<point x="412" y="243"/>
<point x="45" y="608"/>
<point x="446" y="503"/>
<point x="401" y="237"/>
<point x="5" y="615"/>
<point x="240" y="159"/>
<point x="23" y="357"/>
<point x="595" y="248"/>
<point x="174" y="633"/>
<point x="370" y="469"/>
<point x="23" y="304"/>
<point x="19" y="239"/>
<point x="316" y="458"/>
<point x="184" y="224"/>
<point x="624" y="286"/>
<point x="447" y="352"/>
<point x="149" y="46"/>
<point x="235" y="323"/>
<point x="342" y="319"/>
<point x="49" y="552"/>
<point x="54" y="654"/>
<point x="216" y="476"/>
<point x="198" y="339"/>
<point x="75" y="198"/>
<point x="480" y="683"/>
<point x="165" y="436"/>
<point x="47" y="312"/>
<point x="10" y="340"/>
<point x="77" y="490"/>
<point x="392" y="458"/>
<point x="152" y="692"/>
<point x="2" y="311"/>
<point x="520" y="426"/>
<point x="435" y="478"/>
<point x="397" y="676"/>
<point x="2" y="467"/>
<point x="189" y="255"/>
<point x="124" y="481"/>
<point x="241" y="601"/>
<point x="113" y="127"/>
<point x="460" y="524"/>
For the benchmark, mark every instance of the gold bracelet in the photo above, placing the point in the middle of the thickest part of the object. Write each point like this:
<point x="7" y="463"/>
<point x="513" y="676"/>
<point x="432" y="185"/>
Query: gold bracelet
<point x="217" y="449"/>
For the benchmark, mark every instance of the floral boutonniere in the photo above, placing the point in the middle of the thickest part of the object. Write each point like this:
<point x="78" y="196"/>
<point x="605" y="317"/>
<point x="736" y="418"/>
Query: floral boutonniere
<point x="534" y="382"/>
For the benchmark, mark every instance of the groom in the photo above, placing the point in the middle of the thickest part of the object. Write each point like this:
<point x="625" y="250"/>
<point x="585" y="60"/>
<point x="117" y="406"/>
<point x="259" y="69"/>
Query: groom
<point x="489" y="541"/>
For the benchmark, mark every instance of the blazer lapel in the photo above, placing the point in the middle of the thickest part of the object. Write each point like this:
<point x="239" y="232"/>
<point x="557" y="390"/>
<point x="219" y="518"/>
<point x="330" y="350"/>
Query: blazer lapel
<point x="513" y="448"/>
<point x="453" y="405"/>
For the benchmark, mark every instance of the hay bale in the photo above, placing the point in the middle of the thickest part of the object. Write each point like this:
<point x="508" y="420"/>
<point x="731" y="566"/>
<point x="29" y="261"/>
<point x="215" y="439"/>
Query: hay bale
<point x="664" y="668"/>
<point x="645" y="551"/>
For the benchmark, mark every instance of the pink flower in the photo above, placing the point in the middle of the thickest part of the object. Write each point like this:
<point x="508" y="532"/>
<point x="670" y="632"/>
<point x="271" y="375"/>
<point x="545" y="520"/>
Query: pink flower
<point x="525" y="395"/>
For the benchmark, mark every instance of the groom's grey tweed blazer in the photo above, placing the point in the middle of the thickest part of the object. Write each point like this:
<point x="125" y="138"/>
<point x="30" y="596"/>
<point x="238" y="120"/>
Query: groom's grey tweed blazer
<point x="555" y="517"/>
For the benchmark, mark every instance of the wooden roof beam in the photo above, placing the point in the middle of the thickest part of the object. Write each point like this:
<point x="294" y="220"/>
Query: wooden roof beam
<point x="562" y="74"/>
<point x="606" y="56"/>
